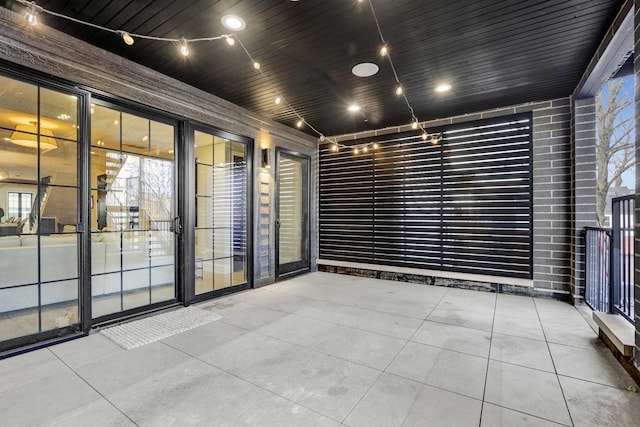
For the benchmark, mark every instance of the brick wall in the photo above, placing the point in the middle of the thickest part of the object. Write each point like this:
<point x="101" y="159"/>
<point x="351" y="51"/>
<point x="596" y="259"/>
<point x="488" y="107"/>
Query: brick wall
<point x="583" y="155"/>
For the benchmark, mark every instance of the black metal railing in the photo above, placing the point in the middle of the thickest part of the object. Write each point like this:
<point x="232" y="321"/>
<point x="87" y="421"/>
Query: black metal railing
<point x="609" y="261"/>
<point x="597" y="268"/>
<point x="622" y="254"/>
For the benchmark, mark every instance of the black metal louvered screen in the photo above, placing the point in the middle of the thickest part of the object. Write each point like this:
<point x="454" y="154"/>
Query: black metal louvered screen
<point x="462" y="205"/>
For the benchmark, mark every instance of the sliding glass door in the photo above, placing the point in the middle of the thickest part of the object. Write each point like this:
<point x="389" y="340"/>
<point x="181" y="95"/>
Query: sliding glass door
<point x="39" y="216"/>
<point x="133" y="206"/>
<point x="221" y="213"/>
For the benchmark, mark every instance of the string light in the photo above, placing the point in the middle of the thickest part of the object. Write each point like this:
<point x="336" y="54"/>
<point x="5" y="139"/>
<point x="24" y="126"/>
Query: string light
<point x="300" y="123"/>
<point x="126" y="37"/>
<point x="256" y="65"/>
<point x="355" y="150"/>
<point x="399" y="90"/>
<point x="365" y="149"/>
<point x="31" y="15"/>
<point x="375" y="145"/>
<point x="278" y="100"/>
<point x="230" y="41"/>
<point x="424" y="136"/>
<point x="384" y="50"/>
<point x="184" y="49"/>
<point x="334" y="148"/>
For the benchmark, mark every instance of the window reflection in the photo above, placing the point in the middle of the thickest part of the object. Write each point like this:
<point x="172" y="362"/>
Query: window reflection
<point x="132" y="210"/>
<point x="221" y="182"/>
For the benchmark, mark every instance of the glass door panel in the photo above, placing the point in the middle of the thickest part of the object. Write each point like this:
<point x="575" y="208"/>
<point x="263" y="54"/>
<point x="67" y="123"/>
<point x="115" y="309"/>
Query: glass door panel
<point x="221" y="213"/>
<point x="39" y="241"/>
<point x="132" y="211"/>
<point x="292" y="213"/>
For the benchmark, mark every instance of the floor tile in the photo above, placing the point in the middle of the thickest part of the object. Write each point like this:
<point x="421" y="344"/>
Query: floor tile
<point x="326" y="384"/>
<point x="526" y="390"/>
<point x="516" y="306"/>
<point x="374" y="321"/>
<point x="521" y="351"/>
<point x="518" y="327"/>
<point x="386" y="404"/>
<point x="577" y="335"/>
<point x="205" y="338"/>
<point x="83" y="351"/>
<point x="451" y="337"/>
<point x="463" y="316"/>
<point x="496" y="416"/>
<point x="40" y="401"/>
<point x="126" y="368"/>
<point x="189" y="393"/>
<point x="594" y="405"/>
<point x="449" y="370"/>
<point x="367" y="348"/>
<point x="29" y="367"/>
<point x="96" y="414"/>
<point x="439" y="408"/>
<point x="243" y="314"/>
<point x="595" y="364"/>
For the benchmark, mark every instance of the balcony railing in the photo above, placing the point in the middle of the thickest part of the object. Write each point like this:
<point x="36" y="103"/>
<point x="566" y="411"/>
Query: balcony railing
<point x="609" y="262"/>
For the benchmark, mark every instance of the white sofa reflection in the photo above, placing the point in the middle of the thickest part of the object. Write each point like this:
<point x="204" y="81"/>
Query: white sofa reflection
<point x="142" y="259"/>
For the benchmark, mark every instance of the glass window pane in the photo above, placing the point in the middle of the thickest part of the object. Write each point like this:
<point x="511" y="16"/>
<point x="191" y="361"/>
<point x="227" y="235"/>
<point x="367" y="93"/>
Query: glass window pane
<point x="204" y="212"/>
<point x="204" y="179"/>
<point x="161" y="247"/>
<point x="204" y="276"/>
<point x="162" y="280"/>
<point x="161" y="140"/>
<point x="135" y="250"/>
<point x="222" y="243"/>
<point x="17" y="163"/>
<point x="18" y="260"/>
<point x="204" y="244"/>
<point x="59" y="304"/>
<point x="58" y="209"/>
<point x="18" y="103"/>
<point x="135" y="134"/>
<point x="203" y="147"/>
<point x="112" y="253"/>
<point x="58" y="115"/>
<point x="18" y="312"/>
<point x="60" y="164"/>
<point x="105" y="127"/>
<point x="222" y="273"/>
<point x="136" y="289"/>
<point x="105" y="294"/>
<point x="59" y="257"/>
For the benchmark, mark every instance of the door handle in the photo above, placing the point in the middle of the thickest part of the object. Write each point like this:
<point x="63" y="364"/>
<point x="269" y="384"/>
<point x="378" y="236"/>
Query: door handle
<point x="177" y="225"/>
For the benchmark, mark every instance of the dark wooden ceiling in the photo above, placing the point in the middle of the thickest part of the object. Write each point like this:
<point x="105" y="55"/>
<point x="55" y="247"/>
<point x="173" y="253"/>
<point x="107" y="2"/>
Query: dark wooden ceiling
<point x="494" y="53"/>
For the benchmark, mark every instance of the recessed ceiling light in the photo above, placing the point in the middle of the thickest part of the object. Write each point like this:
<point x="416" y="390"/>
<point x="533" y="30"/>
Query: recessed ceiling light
<point x="444" y="87"/>
<point x="365" y="69"/>
<point x="353" y="108"/>
<point x="233" y="22"/>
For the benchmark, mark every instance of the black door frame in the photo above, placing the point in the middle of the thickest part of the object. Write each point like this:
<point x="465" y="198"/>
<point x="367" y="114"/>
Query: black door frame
<point x="303" y="266"/>
<point x="189" y="206"/>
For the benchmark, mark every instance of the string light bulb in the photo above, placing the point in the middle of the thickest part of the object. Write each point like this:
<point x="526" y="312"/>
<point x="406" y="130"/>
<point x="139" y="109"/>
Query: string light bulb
<point x="376" y="145"/>
<point x="434" y="140"/>
<point x="322" y="138"/>
<point x="230" y="41"/>
<point x="184" y="49"/>
<point x="300" y="123"/>
<point x="399" y="90"/>
<point x="356" y="151"/>
<point x="384" y="50"/>
<point x="334" y="148"/>
<point x="414" y="124"/>
<point x="256" y="65"/>
<point x="424" y="136"/>
<point x="126" y="37"/>
<point x="278" y="100"/>
<point x="365" y="149"/>
<point x="31" y="15"/>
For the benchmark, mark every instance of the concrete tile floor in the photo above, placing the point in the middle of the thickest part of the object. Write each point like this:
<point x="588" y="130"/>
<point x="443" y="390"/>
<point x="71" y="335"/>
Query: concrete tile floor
<point x="330" y="350"/>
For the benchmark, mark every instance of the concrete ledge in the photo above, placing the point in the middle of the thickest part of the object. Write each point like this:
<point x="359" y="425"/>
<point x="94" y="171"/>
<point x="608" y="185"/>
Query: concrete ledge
<point x="618" y="330"/>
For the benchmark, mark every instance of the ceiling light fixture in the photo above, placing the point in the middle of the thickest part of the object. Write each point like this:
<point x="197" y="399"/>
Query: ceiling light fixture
<point x="365" y="69"/>
<point x="354" y="108"/>
<point x="233" y="23"/>
<point x="27" y="136"/>
<point x="184" y="49"/>
<point x="443" y="87"/>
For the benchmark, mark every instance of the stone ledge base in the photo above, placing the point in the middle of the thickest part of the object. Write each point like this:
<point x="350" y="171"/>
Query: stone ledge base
<point x="625" y="361"/>
<point x="451" y="283"/>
